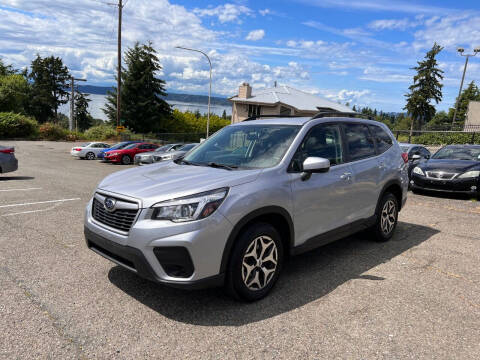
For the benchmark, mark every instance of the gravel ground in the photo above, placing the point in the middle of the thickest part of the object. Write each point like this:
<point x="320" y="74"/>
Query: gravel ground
<point x="417" y="296"/>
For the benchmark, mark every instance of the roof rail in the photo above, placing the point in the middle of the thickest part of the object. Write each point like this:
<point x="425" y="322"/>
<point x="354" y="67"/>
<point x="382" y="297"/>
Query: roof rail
<point x="352" y="114"/>
<point x="255" y="117"/>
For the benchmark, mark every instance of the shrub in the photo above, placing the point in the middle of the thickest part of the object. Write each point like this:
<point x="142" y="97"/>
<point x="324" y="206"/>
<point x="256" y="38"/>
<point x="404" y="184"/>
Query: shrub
<point x="446" y="138"/>
<point x="74" y="136"/>
<point x="17" y="126"/>
<point x="100" y="132"/>
<point x="51" y="131"/>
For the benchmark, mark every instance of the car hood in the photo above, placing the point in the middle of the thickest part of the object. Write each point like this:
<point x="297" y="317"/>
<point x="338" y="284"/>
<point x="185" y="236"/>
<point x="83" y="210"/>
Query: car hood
<point x="168" y="180"/>
<point x="457" y="166"/>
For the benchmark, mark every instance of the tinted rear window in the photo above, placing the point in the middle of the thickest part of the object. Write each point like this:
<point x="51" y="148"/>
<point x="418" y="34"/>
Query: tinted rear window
<point x="359" y="141"/>
<point x="384" y="141"/>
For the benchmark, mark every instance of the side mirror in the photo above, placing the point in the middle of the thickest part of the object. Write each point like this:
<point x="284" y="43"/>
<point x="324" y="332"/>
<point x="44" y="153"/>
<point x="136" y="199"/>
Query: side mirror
<point x="314" y="165"/>
<point x="416" y="157"/>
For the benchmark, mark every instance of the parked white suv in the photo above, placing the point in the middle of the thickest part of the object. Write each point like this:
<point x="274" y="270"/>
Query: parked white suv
<point x="233" y="208"/>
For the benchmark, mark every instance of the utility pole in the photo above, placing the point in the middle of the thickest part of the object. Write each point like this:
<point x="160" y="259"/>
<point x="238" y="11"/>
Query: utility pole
<point x="119" y="60"/>
<point x="119" y="70"/>
<point x="467" y="56"/>
<point x="72" y="101"/>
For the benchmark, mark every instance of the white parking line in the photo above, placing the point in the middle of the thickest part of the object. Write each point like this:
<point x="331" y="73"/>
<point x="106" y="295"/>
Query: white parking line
<point x="26" y="189"/>
<point x="31" y="211"/>
<point x="39" y="202"/>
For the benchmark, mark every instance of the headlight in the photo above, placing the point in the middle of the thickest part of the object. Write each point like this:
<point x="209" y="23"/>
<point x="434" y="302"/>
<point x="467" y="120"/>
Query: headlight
<point x="470" y="174"/>
<point x="194" y="207"/>
<point x="167" y="157"/>
<point x="418" y="171"/>
<point x="114" y="154"/>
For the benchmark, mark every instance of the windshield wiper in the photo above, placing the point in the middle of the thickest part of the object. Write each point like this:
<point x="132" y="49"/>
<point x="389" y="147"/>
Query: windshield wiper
<point x="185" y="162"/>
<point x="222" y="166"/>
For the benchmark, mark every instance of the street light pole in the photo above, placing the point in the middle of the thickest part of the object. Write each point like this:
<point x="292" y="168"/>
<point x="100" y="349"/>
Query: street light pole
<point x="467" y="56"/>
<point x="210" y="87"/>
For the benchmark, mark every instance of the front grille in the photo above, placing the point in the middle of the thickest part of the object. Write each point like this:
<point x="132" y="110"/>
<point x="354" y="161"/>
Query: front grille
<point x="121" y="219"/>
<point x="440" y="175"/>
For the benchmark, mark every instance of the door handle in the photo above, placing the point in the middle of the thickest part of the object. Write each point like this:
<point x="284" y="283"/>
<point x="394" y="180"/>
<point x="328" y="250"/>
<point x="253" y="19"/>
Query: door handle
<point x="346" y="176"/>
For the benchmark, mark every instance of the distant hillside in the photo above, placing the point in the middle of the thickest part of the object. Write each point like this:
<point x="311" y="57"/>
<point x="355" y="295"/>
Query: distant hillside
<point x="187" y="98"/>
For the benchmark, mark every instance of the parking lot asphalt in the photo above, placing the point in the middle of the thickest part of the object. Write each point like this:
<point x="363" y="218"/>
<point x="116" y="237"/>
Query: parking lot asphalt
<point x="417" y="296"/>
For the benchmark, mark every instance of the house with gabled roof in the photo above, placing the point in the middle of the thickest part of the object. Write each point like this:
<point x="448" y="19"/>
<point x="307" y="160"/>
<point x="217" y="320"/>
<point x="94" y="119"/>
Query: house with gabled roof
<point x="281" y="100"/>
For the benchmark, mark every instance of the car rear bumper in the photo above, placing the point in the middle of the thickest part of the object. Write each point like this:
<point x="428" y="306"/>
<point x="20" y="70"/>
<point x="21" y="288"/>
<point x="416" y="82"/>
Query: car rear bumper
<point x="9" y="166"/>
<point x="76" y="153"/>
<point x="460" y="186"/>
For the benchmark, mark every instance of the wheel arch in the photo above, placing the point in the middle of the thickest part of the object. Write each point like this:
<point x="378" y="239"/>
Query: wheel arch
<point x="277" y="216"/>
<point x="394" y="187"/>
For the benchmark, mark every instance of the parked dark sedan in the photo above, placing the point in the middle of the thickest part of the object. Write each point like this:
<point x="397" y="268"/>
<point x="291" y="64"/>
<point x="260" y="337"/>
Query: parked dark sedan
<point x="8" y="162"/>
<point x="453" y="168"/>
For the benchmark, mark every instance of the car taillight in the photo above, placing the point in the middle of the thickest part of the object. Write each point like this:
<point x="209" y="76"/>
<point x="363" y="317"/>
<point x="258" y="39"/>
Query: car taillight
<point x="77" y="149"/>
<point x="7" y="151"/>
<point x="405" y="157"/>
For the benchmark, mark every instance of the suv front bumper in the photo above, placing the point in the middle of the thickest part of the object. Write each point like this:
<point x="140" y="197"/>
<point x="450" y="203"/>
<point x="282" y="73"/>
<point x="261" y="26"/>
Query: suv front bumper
<point x="184" y="255"/>
<point x="134" y="260"/>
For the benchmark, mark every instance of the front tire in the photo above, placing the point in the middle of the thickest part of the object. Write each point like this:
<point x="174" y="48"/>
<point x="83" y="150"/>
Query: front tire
<point x="90" y="156"/>
<point x="255" y="262"/>
<point x="126" y="160"/>
<point x="387" y="217"/>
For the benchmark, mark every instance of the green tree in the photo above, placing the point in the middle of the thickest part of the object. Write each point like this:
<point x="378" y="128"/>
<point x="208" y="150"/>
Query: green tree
<point x="6" y="70"/>
<point x="471" y="93"/>
<point x="224" y="114"/>
<point x="49" y="79"/>
<point x="82" y="117"/>
<point x="426" y="88"/>
<point x="14" y="91"/>
<point x="441" y="121"/>
<point x="143" y="109"/>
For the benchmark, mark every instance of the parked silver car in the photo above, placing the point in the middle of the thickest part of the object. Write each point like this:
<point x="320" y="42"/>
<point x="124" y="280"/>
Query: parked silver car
<point x="89" y="150"/>
<point x="147" y="158"/>
<point x="231" y="210"/>
<point x="8" y="162"/>
<point x="174" y="155"/>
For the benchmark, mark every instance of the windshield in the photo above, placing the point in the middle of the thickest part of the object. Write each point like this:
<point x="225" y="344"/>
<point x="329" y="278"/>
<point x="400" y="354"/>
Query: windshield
<point x="131" y="146"/>
<point x="119" y="146"/>
<point x="458" y="153"/>
<point x="187" y="147"/>
<point x="163" y="148"/>
<point x="85" y="144"/>
<point x="246" y="146"/>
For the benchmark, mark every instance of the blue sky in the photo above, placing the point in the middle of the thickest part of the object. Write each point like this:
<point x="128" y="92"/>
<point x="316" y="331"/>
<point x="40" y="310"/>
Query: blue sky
<point x="351" y="51"/>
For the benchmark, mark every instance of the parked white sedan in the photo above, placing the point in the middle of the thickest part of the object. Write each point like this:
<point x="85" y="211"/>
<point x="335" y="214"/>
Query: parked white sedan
<point x="88" y="151"/>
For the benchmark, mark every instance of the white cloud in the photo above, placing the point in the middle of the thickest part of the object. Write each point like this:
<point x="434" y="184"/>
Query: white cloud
<point x="450" y="32"/>
<point x="225" y="13"/>
<point x="255" y="35"/>
<point x="265" y="12"/>
<point x="395" y="24"/>
<point x="369" y="5"/>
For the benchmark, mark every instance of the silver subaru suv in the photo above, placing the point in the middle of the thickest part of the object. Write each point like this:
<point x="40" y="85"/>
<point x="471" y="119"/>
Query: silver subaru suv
<point x="234" y="208"/>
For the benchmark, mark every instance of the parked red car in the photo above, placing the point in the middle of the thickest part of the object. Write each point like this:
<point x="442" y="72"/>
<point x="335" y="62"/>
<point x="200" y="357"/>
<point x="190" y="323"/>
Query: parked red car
<point x="126" y="155"/>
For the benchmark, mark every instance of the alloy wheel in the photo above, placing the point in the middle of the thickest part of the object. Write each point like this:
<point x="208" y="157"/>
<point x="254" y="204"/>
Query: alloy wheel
<point x="389" y="216"/>
<point x="259" y="263"/>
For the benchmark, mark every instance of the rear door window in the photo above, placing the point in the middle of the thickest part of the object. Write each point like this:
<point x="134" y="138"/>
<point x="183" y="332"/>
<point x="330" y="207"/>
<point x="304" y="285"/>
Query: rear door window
<point x="384" y="141"/>
<point x="360" y="143"/>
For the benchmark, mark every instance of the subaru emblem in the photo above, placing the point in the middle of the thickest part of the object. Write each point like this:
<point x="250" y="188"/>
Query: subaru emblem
<point x="109" y="204"/>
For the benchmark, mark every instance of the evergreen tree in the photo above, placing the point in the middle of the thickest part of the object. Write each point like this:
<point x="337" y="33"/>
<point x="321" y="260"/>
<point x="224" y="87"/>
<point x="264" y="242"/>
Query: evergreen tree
<point x="471" y="93"/>
<point x="48" y="90"/>
<point x="6" y="70"/>
<point x="224" y="115"/>
<point x="82" y="117"/>
<point x="143" y="109"/>
<point x="425" y="88"/>
<point x="14" y="90"/>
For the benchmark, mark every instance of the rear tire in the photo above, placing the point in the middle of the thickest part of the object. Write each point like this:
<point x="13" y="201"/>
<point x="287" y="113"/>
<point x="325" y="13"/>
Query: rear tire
<point x="387" y="217"/>
<point x="126" y="160"/>
<point x="90" y="156"/>
<point x="255" y="262"/>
